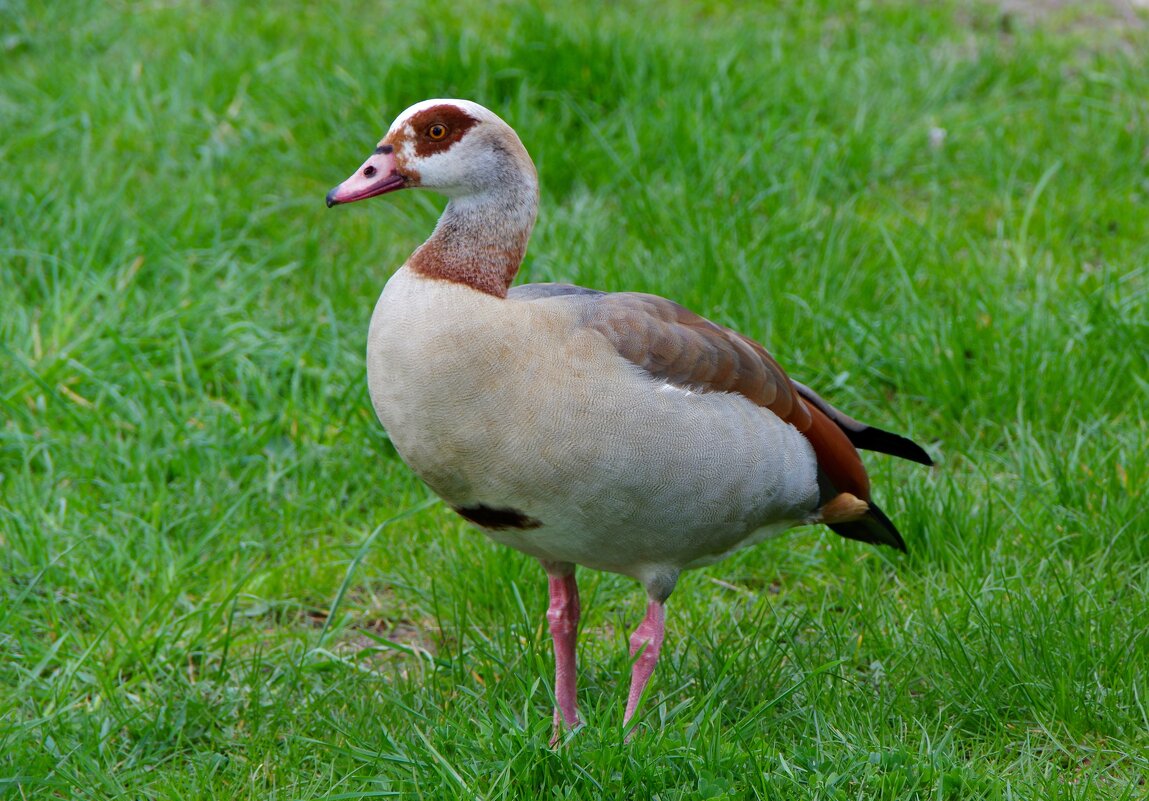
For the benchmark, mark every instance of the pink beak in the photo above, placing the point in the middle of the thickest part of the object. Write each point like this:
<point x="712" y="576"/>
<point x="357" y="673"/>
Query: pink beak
<point x="377" y="176"/>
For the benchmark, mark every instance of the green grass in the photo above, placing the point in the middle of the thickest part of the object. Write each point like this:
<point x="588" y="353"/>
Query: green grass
<point x="190" y="472"/>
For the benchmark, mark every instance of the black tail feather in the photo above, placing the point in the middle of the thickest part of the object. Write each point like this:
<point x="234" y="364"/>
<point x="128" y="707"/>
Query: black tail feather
<point x="866" y="437"/>
<point x="873" y="527"/>
<point x="869" y="438"/>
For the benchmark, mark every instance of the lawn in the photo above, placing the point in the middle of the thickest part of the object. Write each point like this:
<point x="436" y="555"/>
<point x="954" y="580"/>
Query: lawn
<point x="217" y="579"/>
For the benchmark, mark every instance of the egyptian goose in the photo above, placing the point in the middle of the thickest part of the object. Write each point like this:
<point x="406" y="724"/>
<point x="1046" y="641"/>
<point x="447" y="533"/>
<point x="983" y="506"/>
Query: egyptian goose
<point x="618" y="431"/>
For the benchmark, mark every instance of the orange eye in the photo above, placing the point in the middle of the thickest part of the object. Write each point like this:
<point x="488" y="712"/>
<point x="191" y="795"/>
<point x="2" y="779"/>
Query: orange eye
<point x="437" y="131"/>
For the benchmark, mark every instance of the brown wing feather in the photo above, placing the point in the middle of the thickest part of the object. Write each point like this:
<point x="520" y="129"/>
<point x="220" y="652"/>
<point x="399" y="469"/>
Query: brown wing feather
<point x="676" y="345"/>
<point x="685" y="349"/>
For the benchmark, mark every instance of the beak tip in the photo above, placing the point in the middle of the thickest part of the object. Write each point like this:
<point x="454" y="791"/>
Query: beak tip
<point x="331" y="201"/>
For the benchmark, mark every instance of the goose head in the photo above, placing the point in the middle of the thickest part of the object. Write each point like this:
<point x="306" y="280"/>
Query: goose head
<point x="454" y="147"/>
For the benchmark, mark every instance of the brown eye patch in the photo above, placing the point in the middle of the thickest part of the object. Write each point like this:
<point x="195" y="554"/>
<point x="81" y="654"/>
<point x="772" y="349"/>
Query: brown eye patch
<point x="439" y="127"/>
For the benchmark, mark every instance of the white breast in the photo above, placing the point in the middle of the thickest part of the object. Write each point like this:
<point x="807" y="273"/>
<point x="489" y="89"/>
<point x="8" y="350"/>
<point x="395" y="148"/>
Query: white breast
<point x="514" y="405"/>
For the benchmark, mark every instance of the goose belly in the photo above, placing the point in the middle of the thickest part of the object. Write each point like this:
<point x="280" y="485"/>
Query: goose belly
<point x="569" y="452"/>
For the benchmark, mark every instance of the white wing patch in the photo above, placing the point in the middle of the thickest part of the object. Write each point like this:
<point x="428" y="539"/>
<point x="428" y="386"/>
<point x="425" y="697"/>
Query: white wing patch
<point x="671" y="389"/>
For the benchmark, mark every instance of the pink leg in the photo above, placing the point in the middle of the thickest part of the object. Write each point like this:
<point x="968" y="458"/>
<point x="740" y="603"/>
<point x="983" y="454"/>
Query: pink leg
<point x="648" y="639"/>
<point x="563" y="616"/>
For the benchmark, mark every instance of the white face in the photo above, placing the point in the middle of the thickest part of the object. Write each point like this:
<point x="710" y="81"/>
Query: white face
<point x="448" y="143"/>
<point x="455" y="147"/>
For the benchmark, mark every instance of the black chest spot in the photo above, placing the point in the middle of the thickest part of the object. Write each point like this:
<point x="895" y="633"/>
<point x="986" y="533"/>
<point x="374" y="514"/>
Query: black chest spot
<point x="497" y="519"/>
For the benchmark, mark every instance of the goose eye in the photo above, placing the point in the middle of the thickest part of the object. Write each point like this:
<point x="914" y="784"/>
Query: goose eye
<point x="437" y="131"/>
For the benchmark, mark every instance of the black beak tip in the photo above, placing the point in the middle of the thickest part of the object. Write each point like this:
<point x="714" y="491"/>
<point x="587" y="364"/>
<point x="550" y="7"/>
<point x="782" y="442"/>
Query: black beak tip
<point x="331" y="201"/>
